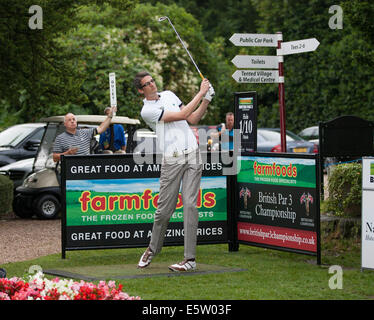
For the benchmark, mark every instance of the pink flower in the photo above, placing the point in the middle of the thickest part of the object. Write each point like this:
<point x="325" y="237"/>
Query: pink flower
<point x="4" y="296"/>
<point x="40" y="288"/>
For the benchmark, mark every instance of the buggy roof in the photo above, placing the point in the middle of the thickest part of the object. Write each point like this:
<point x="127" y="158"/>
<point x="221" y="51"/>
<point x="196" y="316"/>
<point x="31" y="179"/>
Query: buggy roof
<point x="96" y="119"/>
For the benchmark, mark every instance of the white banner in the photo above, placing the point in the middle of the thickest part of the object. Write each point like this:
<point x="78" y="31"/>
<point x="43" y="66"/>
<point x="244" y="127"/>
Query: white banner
<point x="112" y="89"/>
<point x="367" y="219"/>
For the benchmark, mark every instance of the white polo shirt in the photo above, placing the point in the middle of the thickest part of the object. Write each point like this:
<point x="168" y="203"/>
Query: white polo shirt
<point x="176" y="137"/>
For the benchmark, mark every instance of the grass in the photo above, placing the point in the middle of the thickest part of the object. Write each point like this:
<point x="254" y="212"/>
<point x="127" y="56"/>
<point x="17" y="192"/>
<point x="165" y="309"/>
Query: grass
<point x="270" y="274"/>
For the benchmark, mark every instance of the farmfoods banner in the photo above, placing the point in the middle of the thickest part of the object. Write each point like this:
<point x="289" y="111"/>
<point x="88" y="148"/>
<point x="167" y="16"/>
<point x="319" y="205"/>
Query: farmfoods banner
<point x="278" y="202"/>
<point x="110" y="201"/>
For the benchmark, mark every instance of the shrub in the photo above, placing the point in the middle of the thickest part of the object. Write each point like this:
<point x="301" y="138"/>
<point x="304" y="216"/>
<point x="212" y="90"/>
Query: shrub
<point x="6" y="195"/>
<point x="344" y="186"/>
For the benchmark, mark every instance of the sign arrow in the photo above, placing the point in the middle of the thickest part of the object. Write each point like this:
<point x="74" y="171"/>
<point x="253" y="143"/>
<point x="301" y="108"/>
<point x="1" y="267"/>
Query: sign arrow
<point x="256" y="76"/>
<point x="254" y="40"/>
<point x="298" y="46"/>
<point x="270" y="62"/>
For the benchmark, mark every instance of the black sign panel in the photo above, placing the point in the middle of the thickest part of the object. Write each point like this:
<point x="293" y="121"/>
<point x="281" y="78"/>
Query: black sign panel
<point x="246" y="121"/>
<point x="346" y="136"/>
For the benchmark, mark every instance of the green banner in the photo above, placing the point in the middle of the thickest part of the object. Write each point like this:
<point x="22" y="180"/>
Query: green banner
<point x="295" y="172"/>
<point x="132" y="201"/>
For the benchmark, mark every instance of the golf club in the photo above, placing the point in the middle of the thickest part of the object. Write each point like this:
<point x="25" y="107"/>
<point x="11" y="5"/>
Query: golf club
<point x="197" y="68"/>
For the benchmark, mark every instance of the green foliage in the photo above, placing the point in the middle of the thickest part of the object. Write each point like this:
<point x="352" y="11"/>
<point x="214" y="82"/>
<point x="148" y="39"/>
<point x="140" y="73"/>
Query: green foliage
<point x="64" y="67"/>
<point x="6" y="195"/>
<point x="336" y="79"/>
<point x="126" y="44"/>
<point x="38" y="76"/>
<point x="345" y="189"/>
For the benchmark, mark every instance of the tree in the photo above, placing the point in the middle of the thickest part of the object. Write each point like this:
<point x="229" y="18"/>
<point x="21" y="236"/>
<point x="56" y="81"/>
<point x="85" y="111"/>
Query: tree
<point x="332" y="81"/>
<point x="108" y="41"/>
<point x="38" y="76"/>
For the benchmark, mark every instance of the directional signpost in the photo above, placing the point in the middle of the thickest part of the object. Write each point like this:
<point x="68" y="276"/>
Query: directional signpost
<point x="268" y="62"/>
<point x="298" y="46"/>
<point x="254" y="40"/>
<point x="256" y="76"/>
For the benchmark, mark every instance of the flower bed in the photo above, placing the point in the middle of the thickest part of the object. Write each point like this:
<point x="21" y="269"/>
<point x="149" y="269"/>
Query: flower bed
<point x="40" y="288"/>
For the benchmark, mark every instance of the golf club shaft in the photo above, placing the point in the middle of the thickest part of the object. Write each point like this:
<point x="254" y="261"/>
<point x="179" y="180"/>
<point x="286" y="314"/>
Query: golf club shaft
<point x="184" y="46"/>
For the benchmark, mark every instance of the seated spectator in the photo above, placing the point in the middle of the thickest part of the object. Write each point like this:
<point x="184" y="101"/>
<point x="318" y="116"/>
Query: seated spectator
<point x="77" y="141"/>
<point x="113" y="139"/>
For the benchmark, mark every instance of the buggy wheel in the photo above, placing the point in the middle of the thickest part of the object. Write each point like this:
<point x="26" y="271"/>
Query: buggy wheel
<point x="47" y="206"/>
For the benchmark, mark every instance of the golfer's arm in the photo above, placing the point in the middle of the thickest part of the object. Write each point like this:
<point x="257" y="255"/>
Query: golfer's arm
<point x="196" y="116"/>
<point x="185" y="111"/>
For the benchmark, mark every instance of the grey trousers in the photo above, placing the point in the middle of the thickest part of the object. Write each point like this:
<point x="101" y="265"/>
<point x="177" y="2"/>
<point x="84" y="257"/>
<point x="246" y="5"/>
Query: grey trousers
<point x="186" y="169"/>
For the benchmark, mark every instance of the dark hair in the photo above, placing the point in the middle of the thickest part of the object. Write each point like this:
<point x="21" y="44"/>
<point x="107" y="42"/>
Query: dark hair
<point x="138" y="78"/>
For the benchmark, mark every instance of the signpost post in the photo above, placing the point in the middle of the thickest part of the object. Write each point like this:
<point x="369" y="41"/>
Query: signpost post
<point x="282" y="103"/>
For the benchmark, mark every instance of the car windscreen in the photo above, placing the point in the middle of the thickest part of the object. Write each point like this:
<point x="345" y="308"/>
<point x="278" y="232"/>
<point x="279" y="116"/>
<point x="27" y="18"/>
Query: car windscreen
<point x="14" y="135"/>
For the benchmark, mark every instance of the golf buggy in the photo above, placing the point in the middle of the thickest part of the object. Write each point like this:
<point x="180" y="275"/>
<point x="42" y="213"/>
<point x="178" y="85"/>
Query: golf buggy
<point x="40" y="192"/>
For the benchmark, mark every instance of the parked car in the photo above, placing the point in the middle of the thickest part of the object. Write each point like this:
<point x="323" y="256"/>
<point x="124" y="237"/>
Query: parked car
<point x="18" y="171"/>
<point x="40" y="192"/>
<point x="311" y="134"/>
<point x="269" y="140"/>
<point x="20" y="141"/>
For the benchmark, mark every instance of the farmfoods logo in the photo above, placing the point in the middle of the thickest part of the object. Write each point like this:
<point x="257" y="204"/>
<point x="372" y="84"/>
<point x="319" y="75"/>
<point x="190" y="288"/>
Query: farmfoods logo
<point x="246" y="104"/>
<point x="122" y="202"/>
<point x="289" y="171"/>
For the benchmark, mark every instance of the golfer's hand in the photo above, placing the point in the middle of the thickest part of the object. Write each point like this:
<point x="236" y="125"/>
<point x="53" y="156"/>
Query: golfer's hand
<point x="204" y="86"/>
<point x="210" y="94"/>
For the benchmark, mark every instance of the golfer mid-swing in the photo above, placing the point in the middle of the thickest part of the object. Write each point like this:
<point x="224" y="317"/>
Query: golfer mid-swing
<point x="169" y="118"/>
